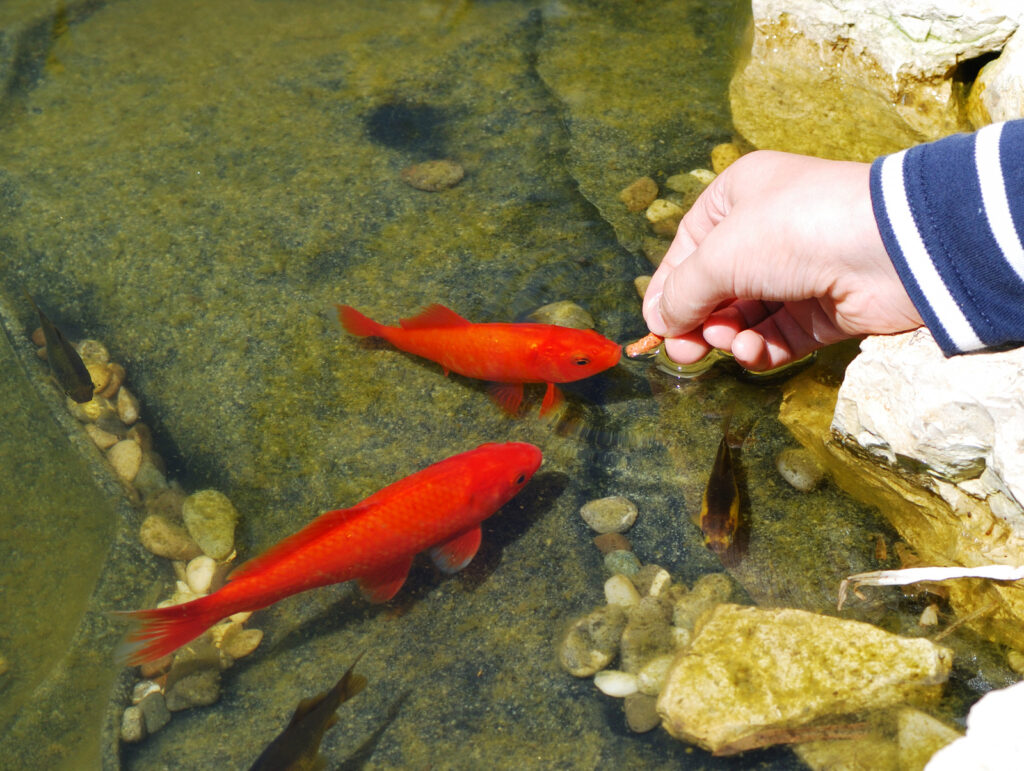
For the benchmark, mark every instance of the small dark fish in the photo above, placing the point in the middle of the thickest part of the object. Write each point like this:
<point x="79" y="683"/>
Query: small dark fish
<point x="720" y="506"/>
<point x="297" y="747"/>
<point x="65" y="363"/>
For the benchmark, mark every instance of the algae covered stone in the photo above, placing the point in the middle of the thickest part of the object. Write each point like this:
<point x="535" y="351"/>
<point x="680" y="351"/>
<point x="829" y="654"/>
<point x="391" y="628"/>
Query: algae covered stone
<point x="751" y="670"/>
<point x="210" y="519"/>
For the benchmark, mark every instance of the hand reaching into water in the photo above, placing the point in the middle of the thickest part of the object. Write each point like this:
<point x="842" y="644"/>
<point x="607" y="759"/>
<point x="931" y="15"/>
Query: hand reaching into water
<point x="794" y="237"/>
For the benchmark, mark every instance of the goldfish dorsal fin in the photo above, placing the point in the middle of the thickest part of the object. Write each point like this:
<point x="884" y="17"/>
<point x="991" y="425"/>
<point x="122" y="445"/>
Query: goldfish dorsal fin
<point x="311" y="532"/>
<point x="434" y="316"/>
<point x="384" y="584"/>
<point x="453" y="555"/>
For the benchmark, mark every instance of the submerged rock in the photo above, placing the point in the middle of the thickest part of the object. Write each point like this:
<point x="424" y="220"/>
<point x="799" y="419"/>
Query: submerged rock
<point x="931" y="442"/>
<point x="563" y="313"/>
<point x="592" y="642"/>
<point x="750" y="671"/>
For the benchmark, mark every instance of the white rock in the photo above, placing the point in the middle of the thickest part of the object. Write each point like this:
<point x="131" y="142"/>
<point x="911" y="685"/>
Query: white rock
<point x="959" y="420"/>
<point x="1000" y="84"/>
<point x="994" y="741"/>
<point x="199" y="574"/>
<point x="619" y="590"/>
<point x="923" y="37"/>
<point x="612" y="682"/>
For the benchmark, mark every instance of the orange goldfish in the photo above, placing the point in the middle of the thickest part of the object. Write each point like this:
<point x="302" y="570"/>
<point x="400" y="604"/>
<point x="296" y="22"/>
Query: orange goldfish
<point x="439" y="508"/>
<point x="506" y="354"/>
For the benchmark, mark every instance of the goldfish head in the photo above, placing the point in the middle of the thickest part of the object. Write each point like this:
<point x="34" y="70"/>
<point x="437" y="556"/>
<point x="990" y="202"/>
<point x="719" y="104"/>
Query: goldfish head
<point x="573" y="354"/>
<point x="503" y="469"/>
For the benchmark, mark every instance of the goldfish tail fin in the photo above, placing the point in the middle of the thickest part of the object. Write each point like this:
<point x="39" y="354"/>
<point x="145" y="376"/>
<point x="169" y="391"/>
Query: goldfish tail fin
<point x="357" y="324"/>
<point x="155" y="632"/>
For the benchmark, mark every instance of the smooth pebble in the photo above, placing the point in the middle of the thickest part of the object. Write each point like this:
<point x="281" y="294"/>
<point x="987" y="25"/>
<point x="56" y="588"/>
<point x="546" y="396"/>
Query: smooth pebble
<point x="563" y="313"/>
<point x="612" y="682"/>
<point x="621" y="561"/>
<point x="155" y="712"/>
<point x="619" y="590"/>
<point x="125" y="457"/>
<point x="639" y="194"/>
<point x="210" y="519"/>
<point x="133" y="724"/>
<point x="165" y="539"/>
<point x="127" y="406"/>
<point x="199" y="573"/>
<point x="800" y="468"/>
<point x="614" y="514"/>
<point x="641" y="712"/>
<point x="433" y="176"/>
<point x="242" y="643"/>
<point x="592" y="641"/>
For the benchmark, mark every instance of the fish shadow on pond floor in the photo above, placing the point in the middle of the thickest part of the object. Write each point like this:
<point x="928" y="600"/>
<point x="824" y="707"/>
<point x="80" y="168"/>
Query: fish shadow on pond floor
<point x="329" y="610"/>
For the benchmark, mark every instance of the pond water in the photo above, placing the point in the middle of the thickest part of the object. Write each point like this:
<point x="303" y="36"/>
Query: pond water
<point x="197" y="184"/>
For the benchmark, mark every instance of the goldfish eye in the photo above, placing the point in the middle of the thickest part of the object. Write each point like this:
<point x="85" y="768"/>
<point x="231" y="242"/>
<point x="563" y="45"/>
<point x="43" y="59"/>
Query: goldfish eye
<point x="582" y="361"/>
<point x="520" y="479"/>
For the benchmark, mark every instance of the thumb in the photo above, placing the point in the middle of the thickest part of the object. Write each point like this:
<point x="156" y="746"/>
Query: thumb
<point x="696" y="286"/>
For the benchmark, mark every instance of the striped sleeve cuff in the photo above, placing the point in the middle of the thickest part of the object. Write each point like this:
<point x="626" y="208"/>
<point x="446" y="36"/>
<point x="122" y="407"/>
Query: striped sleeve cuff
<point x="951" y="215"/>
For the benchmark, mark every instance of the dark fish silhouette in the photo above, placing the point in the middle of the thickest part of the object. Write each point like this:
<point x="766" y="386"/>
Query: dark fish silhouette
<point x="65" y="363"/>
<point x="297" y="748"/>
<point x="720" y="506"/>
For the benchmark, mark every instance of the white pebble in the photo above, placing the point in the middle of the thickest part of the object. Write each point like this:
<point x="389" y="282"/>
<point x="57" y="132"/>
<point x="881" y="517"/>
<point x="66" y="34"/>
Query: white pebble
<point x="199" y="574"/>
<point x="619" y="590"/>
<point x="659" y="583"/>
<point x="142" y="689"/>
<point x="929" y="616"/>
<point x="612" y="682"/>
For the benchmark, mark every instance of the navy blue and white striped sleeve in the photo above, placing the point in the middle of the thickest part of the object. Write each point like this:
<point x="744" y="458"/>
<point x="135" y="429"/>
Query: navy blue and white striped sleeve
<point x="951" y="215"/>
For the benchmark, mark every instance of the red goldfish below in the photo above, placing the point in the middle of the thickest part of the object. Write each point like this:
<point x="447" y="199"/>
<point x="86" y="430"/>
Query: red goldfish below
<point x="506" y="354"/>
<point x="439" y="508"/>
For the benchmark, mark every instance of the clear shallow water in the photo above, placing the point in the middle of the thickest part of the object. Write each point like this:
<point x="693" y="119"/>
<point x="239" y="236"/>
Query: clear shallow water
<point x="198" y="185"/>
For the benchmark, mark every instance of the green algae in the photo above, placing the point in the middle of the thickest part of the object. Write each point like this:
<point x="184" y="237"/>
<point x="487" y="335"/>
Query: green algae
<point x="214" y="177"/>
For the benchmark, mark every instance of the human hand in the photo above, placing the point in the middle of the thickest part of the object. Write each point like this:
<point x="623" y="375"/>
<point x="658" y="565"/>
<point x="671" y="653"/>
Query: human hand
<point x="793" y="238"/>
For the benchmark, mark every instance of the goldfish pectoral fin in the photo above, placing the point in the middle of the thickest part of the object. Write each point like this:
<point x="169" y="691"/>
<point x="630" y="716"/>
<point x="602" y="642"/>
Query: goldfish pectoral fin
<point x="452" y="556"/>
<point x="383" y="585"/>
<point x="508" y="396"/>
<point x="434" y="316"/>
<point x="552" y="398"/>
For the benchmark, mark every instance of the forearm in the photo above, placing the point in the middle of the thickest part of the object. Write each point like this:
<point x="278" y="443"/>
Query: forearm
<point x="951" y="215"/>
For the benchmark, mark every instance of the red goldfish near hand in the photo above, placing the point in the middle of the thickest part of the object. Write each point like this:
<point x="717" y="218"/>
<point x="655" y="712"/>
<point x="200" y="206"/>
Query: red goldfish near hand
<point x="439" y="508"/>
<point x="506" y="354"/>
